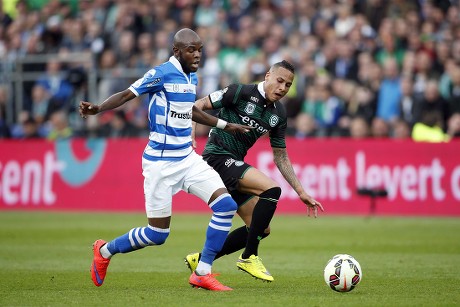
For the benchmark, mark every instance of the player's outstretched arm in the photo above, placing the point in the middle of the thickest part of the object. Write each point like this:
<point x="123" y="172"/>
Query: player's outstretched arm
<point x="87" y="108"/>
<point x="201" y="117"/>
<point x="284" y="165"/>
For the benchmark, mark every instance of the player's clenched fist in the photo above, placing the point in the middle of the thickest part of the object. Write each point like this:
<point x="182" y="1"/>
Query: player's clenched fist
<point x="87" y="108"/>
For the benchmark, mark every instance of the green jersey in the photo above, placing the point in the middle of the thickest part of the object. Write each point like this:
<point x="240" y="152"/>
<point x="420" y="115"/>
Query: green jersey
<point x="245" y="105"/>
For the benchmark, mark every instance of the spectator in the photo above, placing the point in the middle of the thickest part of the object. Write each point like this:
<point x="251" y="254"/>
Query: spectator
<point x="344" y="66"/>
<point x="304" y="126"/>
<point x="359" y="128"/>
<point x="369" y="72"/>
<point x="210" y="73"/>
<point x="94" y="37"/>
<point x="454" y="90"/>
<point x="428" y="129"/>
<point x="432" y="102"/>
<point x="30" y="129"/>
<point x="124" y="49"/>
<point x="54" y="81"/>
<point x="119" y="127"/>
<point x="362" y="103"/>
<point x="379" y="128"/>
<point x="445" y="81"/>
<point x="59" y="126"/>
<point x="109" y="73"/>
<point x="78" y="78"/>
<point x="423" y="72"/>
<point x="4" y="128"/>
<point x="41" y="107"/>
<point x="5" y="18"/>
<point x="345" y="21"/>
<point x="407" y="102"/>
<point x="206" y="13"/>
<point x="74" y="36"/>
<point x="162" y="42"/>
<point x="401" y="130"/>
<point x="52" y="35"/>
<point x="453" y="126"/>
<point x="390" y="92"/>
<point x="322" y="107"/>
<point x="389" y="49"/>
<point x="146" y="55"/>
<point x="17" y="129"/>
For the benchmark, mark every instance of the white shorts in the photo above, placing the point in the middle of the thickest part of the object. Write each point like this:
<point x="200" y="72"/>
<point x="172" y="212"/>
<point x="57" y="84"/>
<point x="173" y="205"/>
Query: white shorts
<point x="163" y="179"/>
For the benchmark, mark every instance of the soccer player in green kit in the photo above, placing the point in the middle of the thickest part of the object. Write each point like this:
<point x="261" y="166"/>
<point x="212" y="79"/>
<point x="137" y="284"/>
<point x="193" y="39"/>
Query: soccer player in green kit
<point x="257" y="195"/>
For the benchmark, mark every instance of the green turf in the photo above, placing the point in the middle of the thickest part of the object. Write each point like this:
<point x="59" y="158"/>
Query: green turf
<point x="45" y="259"/>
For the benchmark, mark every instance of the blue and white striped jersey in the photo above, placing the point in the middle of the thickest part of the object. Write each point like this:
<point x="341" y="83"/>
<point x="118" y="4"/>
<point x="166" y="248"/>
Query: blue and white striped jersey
<point x="172" y="94"/>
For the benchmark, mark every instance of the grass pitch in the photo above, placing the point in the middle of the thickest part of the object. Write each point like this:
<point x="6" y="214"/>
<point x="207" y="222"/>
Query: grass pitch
<point x="45" y="260"/>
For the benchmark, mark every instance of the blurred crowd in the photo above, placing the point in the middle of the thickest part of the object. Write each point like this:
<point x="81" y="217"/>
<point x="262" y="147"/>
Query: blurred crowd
<point x="364" y="68"/>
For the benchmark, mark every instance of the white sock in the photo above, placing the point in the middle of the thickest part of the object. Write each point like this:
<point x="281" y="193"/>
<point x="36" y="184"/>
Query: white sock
<point x="203" y="268"/>
<point x="105" y="252"/>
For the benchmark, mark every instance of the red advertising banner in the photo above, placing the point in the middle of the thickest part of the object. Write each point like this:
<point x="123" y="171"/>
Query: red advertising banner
<point x="102" y="175"/>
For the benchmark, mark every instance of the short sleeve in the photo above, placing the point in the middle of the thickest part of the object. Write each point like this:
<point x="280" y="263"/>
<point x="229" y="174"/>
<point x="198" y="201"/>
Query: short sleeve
<point x="224" y="97"/>
<point x="151" y="82"/>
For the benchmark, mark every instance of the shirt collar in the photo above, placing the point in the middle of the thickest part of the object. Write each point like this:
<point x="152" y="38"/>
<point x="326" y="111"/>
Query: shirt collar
<point x="260" y="87"/>
<point x="176" y="63"/>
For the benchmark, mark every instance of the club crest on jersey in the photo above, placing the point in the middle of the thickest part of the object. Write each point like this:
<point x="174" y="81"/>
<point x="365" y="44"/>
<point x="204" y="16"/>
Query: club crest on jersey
<point x="273" y="120"/>
<point x="250" y="108"/>
<point x="239" y="163"/>
<point x="176" y="88"/>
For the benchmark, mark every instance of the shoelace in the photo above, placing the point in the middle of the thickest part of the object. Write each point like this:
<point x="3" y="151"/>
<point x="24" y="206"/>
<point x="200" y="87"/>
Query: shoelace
<point x="214" y="281"/>
<point x="259" y="264"/>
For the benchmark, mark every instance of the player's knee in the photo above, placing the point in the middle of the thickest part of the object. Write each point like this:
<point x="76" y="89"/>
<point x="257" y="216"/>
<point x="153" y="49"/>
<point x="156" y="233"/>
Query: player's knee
<point x="224" y="203"/>
<point x="266" y="232"/>
<point x="156" y="236"/>
<point x="272" y="193"/>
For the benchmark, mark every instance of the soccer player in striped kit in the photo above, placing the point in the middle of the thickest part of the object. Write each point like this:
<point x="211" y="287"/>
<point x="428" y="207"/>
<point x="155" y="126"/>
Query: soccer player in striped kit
<point x="169" y="162"/>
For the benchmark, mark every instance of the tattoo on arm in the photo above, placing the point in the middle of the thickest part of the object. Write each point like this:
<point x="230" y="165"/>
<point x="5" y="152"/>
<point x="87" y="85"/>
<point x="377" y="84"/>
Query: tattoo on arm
<point x="284" y="165"/>
<point x="203" y="103"/>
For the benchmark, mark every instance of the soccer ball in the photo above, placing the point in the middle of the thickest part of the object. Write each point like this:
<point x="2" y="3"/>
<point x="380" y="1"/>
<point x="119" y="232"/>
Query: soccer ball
<point x="342" y="273"/>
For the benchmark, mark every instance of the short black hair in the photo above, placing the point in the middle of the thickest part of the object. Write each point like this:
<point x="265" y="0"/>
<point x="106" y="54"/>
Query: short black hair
<point x="285" y="64"/>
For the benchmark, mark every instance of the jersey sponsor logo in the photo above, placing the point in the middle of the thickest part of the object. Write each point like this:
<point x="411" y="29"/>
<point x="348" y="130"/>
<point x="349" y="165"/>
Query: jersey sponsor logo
<point x="155" y="81"/>
<point x="273" y="120"/>
<point x="175" y="114"/>
<point x="239" y="163"/>
<point x="250" y="108"/>
<point x="255" y="99"/>
<point x="251" y="122"/>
